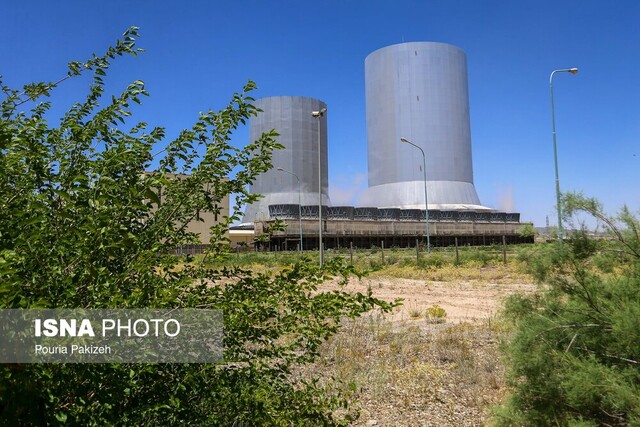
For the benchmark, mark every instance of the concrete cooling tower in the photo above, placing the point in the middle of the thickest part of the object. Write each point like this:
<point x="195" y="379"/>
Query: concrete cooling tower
<point x="418" y="91"/>
<point x="291" y="117"/>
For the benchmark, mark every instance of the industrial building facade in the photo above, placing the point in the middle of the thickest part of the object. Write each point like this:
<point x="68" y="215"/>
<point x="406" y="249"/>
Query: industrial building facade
<point x="294" y="174"/>
<point x="418" y="92"/>
<point x="417" y="98"/>
<point x="346" y="226"/>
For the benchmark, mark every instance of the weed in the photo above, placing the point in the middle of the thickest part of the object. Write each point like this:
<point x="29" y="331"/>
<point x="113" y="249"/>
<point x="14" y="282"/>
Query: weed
<point x="399" y="368"/>
<point x="436" y="314"/>
<point x="415" y="312"/>
<point x="432" y="261"/>
<point x="392" y="259"/>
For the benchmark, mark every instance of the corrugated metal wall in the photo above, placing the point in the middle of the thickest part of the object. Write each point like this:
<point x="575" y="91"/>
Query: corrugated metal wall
<point x="419" y="91"/>
<point x="291" y="117"/>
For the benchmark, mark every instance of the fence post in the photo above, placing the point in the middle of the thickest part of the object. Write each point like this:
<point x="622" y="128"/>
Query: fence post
<point x="504" y="249"/>
<point x="382" y="245"/>
<point x="351" y="251"/>
<point x="457" y="255"/>
<point x="417" y="251"/>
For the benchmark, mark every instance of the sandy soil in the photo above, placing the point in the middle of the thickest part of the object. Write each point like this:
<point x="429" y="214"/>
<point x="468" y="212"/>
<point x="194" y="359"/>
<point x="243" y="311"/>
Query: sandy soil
<point x="420" y="372"/>
<point x="463" y="301"/>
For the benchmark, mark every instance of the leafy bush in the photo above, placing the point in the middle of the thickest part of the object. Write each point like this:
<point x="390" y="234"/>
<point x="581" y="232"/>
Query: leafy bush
<point x="83" y="225"/>
<point x="574" y="358"/>
<point x="527" y="230"/>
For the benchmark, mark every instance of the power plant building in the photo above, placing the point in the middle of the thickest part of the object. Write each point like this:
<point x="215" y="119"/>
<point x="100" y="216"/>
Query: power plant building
<point x="291" y="117"/>
<point x="419" y="91"/>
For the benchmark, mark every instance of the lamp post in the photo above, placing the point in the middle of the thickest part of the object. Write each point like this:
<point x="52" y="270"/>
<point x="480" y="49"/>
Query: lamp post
<point x="426" y="202"/>
<point x="318" y="115"/>
<point x="299" y="203"/>
<point x="555" y="149"/>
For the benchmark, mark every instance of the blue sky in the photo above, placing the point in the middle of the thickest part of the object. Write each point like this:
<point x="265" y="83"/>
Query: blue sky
<point x="199" y="52"/>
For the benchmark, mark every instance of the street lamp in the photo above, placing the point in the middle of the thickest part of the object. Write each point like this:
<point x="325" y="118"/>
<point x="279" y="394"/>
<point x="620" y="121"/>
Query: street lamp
<point x="299" y="203"/>
<point x="426" y="203"/>
<point x="555" y="150"/>
<point x="318" y="115"/>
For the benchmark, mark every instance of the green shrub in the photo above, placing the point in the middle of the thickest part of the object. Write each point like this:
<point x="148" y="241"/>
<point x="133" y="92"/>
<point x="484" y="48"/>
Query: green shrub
<point x="392" y="259"/>
<point x="479" y="256"/>
<point x="407" y="262"/>
<point x="436" y="314"/>
<point x="375" y="264"/>
<point x="574" y="358"/>
<point x="433" y="260"/>
<point x="83" y="226"/>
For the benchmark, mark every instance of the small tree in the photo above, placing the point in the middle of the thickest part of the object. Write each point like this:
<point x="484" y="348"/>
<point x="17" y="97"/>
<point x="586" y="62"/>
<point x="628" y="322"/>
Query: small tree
<point x="574" y="358"/>
<point x="83" y="226"/>
<point x="527" y="231"/>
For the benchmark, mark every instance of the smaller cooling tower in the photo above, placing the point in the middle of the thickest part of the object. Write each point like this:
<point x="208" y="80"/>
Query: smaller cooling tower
<point x="418" y="91"/>
<point x="291" y="117"/>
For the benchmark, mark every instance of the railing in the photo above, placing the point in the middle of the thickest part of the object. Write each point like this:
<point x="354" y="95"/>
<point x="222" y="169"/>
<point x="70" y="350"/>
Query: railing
<point x="290" y="211"/>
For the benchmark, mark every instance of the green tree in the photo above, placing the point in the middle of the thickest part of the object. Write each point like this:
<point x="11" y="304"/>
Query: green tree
<point x="574" y="357"/>
<point x="527" y="230"/>
<point x="83" y="226"/>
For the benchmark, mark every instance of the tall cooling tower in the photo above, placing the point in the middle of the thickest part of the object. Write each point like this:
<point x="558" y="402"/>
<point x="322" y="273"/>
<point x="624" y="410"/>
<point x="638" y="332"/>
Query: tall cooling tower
<point x="418" y="91"/>
<point x="291" y="117"/>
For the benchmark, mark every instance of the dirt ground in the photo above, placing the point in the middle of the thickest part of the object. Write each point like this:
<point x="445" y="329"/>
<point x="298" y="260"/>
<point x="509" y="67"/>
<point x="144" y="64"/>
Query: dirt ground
<point x="413" y="370"/>
<point x="463" y="301"/>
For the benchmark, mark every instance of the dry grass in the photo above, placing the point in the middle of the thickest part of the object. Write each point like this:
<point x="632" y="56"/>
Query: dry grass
<point x="409" y="374"/>
<point x="453" y="273"/>
<point x="433" y="361"/>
